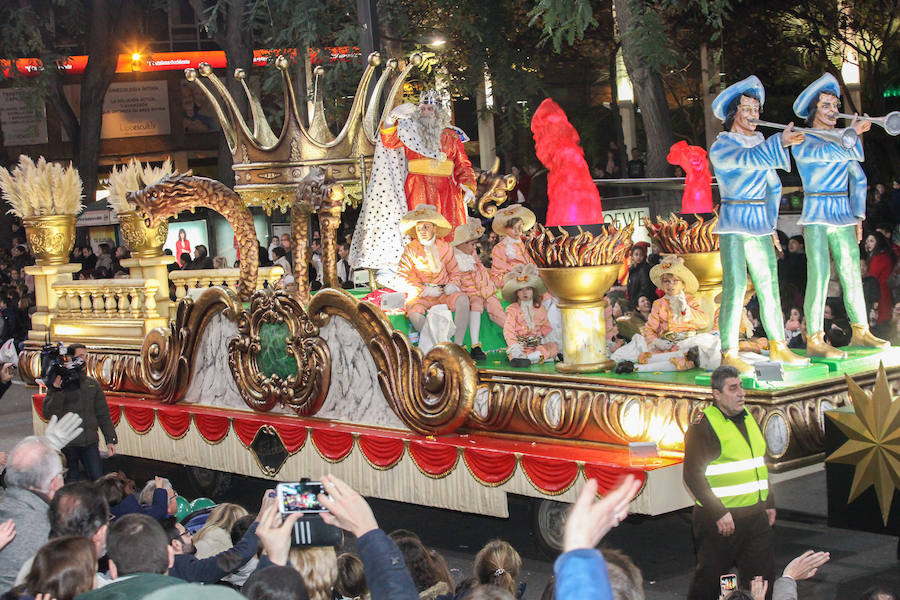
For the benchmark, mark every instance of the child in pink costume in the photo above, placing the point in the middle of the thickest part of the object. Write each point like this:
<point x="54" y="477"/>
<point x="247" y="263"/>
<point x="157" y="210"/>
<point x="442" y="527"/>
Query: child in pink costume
<point x="510" y="224"/>
<point x="527" y="326"/>
<point x="476" y="283"/>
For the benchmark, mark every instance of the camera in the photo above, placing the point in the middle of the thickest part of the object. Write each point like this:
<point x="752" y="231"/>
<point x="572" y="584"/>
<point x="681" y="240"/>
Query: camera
<point x="53" y="365"/>
<point x="311" y="530"/>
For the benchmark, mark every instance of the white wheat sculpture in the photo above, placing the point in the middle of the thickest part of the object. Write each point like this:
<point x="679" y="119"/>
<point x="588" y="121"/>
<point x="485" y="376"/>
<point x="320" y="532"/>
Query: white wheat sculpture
<point x="41" y="189"/>
<point x="131" y="177"/>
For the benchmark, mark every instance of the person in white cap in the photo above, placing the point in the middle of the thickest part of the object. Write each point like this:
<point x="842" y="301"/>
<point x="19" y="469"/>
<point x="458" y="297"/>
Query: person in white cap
<point x="745" y="164"/>
<point x="834" y="206"/>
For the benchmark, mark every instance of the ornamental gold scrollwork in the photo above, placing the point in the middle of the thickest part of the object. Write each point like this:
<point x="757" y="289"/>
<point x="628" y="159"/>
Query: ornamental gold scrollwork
<point x="499" y="408"/>
<point x="305" y="391"/>
<point x="48" y="242"/>
<point x="168" y="357"/>
<point x="492" y="189"/>
<point x="634" y="417"/>
<point x="557" y="411"/>
<point x="431" y="394"/>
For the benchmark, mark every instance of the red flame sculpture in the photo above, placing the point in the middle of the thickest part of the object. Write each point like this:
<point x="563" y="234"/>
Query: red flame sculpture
<point x="573" y="197"/>
<point x="697" y="196"/>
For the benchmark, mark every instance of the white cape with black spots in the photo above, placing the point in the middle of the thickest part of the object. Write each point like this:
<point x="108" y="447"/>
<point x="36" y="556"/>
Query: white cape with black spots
<point x="377" y="242"/>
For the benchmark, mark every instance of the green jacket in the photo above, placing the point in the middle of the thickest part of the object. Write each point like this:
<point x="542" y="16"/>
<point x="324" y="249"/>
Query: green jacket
<point x="89" y="402"/>
<point x="130" y="587"/>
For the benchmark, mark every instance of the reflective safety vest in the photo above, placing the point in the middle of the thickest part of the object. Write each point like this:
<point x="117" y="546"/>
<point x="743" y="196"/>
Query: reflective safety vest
<point x="738" y="477"/>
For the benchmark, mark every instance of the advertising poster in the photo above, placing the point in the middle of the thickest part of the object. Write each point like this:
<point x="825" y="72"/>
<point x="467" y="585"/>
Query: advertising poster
<point x="22" y="125"/>
<point x="132" y="109"/>
<point x="199" y="116"/>
<point x="184" y="236"/>
<point x="622" y="217"/>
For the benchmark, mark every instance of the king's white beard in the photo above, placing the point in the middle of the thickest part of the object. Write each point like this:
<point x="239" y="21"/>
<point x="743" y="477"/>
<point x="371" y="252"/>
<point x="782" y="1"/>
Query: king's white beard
<point x="429" y="130"/>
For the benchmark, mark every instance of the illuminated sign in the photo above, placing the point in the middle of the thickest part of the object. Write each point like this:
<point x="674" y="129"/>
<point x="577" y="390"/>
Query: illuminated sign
<point x="178" y="61"/>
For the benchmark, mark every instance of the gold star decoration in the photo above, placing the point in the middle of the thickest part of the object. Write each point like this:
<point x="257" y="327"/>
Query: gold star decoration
<point x="873" y="441"/>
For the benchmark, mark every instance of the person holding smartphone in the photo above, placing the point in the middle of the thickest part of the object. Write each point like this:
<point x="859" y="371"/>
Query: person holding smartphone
<point x="7" y="372"/>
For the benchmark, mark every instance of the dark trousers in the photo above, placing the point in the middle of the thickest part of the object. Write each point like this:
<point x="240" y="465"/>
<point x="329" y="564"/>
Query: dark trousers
<point x="83" y="458"/>
<point x="750" y="548"/>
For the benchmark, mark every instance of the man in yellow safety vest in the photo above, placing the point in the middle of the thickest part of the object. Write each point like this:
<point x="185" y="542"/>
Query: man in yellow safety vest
<point x="725" y="471"/>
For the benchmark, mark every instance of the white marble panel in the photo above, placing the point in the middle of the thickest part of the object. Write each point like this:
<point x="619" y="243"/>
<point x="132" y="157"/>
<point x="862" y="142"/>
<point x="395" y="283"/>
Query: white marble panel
<point x="212" y="383"/>
<point x="355" y="395"/>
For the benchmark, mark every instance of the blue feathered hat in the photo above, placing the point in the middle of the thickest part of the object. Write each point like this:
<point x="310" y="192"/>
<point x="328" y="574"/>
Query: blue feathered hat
<point x="752" y="83"/>
<point x="825" y="83"/>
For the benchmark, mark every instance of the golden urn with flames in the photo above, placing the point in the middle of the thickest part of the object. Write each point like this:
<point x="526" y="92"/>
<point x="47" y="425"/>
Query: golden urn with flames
<point x="579" y="270"/>
<point x="698" y="246"/>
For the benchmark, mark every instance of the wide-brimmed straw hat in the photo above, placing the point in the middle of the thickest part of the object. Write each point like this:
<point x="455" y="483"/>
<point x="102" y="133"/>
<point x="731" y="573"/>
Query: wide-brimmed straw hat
<point x="522" y="276"/>
<point x="674" y="265"/>
<point x="471" y="230"/>
<point x="428" y="214"/>
<point x="510" y="212"/>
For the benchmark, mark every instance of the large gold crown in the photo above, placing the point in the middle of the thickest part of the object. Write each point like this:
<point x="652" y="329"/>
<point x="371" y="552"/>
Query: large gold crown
<point x="267" y="168"/>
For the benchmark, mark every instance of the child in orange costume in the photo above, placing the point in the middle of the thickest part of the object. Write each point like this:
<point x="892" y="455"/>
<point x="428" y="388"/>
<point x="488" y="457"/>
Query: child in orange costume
<point x="527" y="325"/>
<point x="429" y="270"/>
<point x="510" y="224"/>
<point x="671" y="331"/>
<point x="476" y="283"/>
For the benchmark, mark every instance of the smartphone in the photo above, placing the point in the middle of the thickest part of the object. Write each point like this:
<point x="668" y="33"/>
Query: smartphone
<point x="300" y="497"/>
<point x="728" y="582"/>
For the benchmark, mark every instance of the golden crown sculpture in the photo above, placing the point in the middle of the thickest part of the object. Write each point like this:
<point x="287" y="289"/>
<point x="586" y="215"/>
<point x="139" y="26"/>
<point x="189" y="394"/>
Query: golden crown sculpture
<point x="267" y="168"/>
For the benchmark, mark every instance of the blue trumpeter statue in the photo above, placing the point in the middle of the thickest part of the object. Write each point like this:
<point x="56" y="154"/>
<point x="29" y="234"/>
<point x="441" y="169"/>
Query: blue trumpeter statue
<point x="834" y="206"/>
<point x="745" y="164"/>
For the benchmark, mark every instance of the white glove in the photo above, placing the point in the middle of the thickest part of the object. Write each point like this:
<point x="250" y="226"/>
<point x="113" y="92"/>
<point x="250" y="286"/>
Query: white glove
<point x="451" y="288"/>
<point x="62" y="431"/>
<point x="404" y="111"/>
<point x="430" y="291"/>
<point x="660" y="344"/>
<point x="468" y="195"/>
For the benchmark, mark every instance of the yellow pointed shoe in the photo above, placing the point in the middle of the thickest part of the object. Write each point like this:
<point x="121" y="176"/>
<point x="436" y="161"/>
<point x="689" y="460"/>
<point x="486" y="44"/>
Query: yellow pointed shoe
<point x="731" y="358"/>
<point x="863" y="337"/>
<point x="817" y="346"/>
<point x="779" y="351"/>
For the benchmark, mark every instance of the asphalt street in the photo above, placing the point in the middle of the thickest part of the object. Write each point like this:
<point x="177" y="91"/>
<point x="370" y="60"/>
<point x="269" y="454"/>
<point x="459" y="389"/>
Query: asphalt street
<point x="660" y="546"/>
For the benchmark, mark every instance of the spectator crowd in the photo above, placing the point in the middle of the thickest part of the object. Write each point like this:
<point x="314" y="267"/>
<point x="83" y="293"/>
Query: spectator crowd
<point x="108" y="539"/>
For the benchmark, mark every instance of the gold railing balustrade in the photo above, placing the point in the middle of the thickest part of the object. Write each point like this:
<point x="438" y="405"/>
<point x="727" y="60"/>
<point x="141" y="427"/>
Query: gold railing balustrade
<point x="121" y="312"/>
<point x="107" y="299"/>
<point x="204" y="278"/>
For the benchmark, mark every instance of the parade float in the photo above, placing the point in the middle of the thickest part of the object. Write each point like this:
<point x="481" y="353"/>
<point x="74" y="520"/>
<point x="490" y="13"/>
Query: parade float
<point x="238" y="376"/>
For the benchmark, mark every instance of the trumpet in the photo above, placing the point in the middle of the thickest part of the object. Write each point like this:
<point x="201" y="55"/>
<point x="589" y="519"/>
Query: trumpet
<point x="890" y="121"/>
<point x="846" y="137"/>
